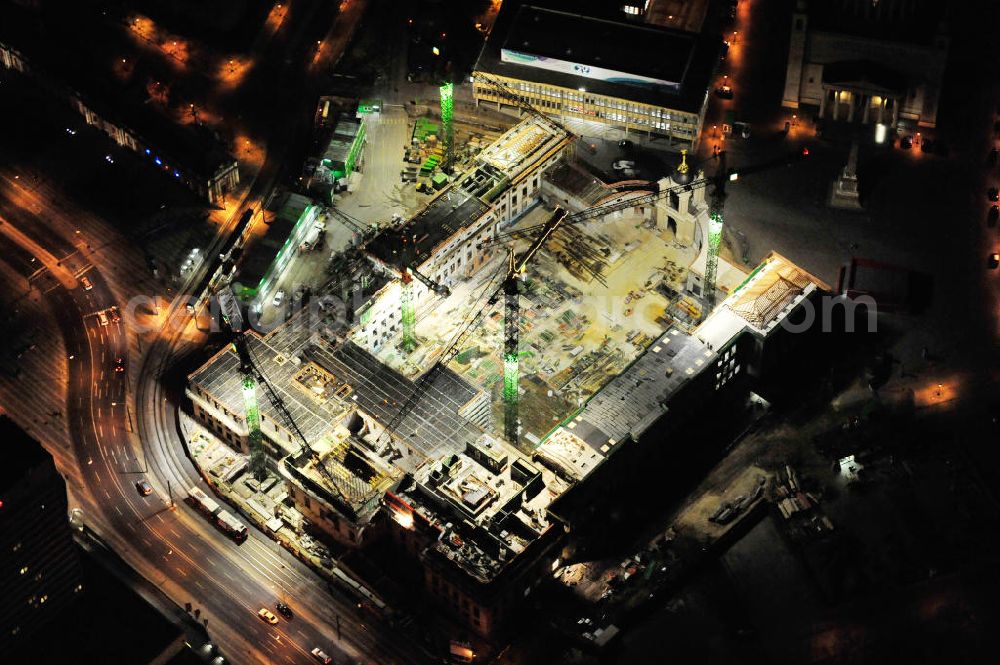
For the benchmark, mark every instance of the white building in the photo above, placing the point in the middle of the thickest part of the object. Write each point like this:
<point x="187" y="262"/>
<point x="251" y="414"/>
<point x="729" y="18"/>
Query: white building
<point x="860" y="61"/>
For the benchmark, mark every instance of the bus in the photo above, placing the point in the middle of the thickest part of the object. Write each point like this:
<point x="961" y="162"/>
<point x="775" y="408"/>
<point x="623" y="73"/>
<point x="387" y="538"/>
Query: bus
<point x="222" y="519"/>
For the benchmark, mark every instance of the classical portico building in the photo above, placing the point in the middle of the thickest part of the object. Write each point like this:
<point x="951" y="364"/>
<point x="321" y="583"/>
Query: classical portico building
<point x="867" y="61"/>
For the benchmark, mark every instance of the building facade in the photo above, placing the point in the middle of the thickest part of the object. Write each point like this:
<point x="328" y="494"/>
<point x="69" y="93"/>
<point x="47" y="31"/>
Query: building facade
<point x="194" y="159"/>
<point x="449" y="240"/>
<point x="867" y="62"/>
<point x="576" y="67"/>
<point x="39" y="566"/>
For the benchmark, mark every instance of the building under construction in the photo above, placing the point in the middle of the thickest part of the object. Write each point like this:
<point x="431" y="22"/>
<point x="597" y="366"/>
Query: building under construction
<point x="444" y="241"/>
<point x="483" y="517"/>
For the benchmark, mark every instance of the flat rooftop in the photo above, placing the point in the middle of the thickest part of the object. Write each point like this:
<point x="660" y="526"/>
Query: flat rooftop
<point x="634" y="54"/>
<point x="23" y="453"/>
<point x="414" y="241"/>
<point x="643" y="63"/>
<point x="681" y="14"/>
<point x="263" y="251"/>
<point x="626" y="406"/>
<point x="524" y="146"/>
<point x="914" y="21"/>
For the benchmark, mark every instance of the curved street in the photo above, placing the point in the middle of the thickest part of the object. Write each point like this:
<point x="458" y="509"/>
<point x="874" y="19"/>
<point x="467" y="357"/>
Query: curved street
<point x="124" y="425"/>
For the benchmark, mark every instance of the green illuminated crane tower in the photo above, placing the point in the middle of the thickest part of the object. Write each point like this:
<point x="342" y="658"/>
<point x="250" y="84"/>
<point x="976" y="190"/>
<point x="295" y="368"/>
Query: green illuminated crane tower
<point x="511" y="370"/>
<point x="447" y="117"/>
<point x="258" y="457"/>
<point x="716" y="204"/>
<point x="512" y="321"/>
<point x="409" y="315"/>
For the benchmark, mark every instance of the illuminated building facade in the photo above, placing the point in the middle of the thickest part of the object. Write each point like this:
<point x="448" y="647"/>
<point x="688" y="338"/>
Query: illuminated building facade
<point x="867" y="62"/>
<point x="633" y="77"/>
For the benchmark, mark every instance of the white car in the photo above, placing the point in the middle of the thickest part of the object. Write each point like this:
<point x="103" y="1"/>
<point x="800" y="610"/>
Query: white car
<point x="321" y="656"/>
<point x="102" y="318"/>
<point x="623" y="164"/>
<point x="279" y="298"/>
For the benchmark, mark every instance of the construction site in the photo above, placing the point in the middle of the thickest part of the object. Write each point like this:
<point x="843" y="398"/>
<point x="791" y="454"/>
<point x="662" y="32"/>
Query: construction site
<point x="531" y="320"/>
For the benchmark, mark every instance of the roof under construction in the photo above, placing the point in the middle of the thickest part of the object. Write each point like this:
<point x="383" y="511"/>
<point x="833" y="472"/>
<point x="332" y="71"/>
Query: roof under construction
<point x="413" y="242"/>
<point x="321" y="385"/>
<point x="761" y="302"/>
<point x="512" y="156"/>
<point x="432" y="428"/>
<point x="626" y="406"/>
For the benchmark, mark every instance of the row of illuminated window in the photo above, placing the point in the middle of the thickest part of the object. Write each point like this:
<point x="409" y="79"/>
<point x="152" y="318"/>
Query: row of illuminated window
<point x="727" y="368"/>
<point x="599" y="100"/>
<point x="635" y="116"/>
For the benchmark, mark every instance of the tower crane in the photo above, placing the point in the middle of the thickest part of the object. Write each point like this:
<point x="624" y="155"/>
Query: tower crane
<point x="408" y="272"/>
<point x="541" y="233"/>
<point x="516" y="266"/>
<point x="251" y="376"/>
<point x="447" y="91"/>
<point x="423" y="383"/>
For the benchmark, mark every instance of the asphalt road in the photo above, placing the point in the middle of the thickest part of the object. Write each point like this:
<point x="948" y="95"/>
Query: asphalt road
<point x="177" y="549"/>
<point x="118" y="441"/>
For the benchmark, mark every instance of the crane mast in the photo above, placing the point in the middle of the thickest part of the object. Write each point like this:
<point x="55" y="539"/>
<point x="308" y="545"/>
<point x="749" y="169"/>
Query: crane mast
<point x="717" y="202"/>
<point x="258" y="457"/>
<point x="512" y="322"/>
<point x="511" y="341"/>
<point x="447" y="120"/>
<point x="408" y="315"/>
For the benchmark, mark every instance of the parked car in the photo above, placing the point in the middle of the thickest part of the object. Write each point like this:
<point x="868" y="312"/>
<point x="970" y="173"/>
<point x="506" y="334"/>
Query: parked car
<point x="927" y="145"/>
<point x="115" y="314"/>
<point x="906" y="142"/>
<point x="993" y="261"/>
<point x="143" y="487"/>
<point x="266" y="615"/>
<point x="993" y="194"/>
<point x="279" y="298"/>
